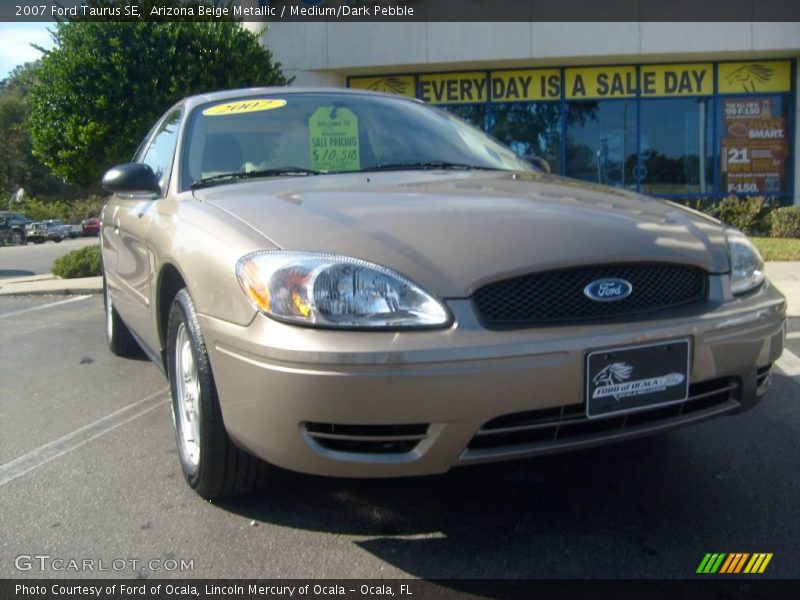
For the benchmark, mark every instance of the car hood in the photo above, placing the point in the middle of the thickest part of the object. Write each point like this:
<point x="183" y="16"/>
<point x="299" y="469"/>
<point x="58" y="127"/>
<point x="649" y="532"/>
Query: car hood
<point x="453" y="232"/>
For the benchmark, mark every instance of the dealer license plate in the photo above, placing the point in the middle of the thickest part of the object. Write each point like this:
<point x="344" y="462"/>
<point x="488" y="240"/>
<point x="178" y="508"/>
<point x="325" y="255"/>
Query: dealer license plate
<point x="635" y="378"/>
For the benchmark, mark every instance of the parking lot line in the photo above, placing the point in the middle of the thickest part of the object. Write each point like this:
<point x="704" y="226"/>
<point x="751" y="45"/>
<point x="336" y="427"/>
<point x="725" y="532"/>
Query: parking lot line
<point x="52" y="450"/>
<point x="789" y="363"/>
<point x="14" y="313"/>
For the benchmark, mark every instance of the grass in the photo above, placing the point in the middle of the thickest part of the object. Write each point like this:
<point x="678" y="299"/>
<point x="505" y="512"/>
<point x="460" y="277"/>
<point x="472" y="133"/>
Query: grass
<point x="778" y="248"/>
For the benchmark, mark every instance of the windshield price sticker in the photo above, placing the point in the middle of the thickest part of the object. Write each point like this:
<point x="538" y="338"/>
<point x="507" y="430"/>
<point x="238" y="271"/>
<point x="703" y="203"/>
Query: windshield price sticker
<point x="243" y="106"/>
<point x="333" y="133"/>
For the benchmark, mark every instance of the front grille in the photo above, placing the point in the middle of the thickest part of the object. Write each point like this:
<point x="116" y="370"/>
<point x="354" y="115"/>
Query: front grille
<point x="367" y="439"/>
<point x="557" y="296"/>
<point x="550" y="428"/>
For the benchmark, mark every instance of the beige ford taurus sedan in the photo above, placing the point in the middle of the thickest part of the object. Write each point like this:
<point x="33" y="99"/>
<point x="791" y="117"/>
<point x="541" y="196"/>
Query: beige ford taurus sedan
<point x="351" y="284"/>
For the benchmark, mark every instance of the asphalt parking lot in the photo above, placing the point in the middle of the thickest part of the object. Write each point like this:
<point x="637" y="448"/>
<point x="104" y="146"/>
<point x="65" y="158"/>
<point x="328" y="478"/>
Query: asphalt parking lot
<point x="88" y="470"/>
<point x="36" y="259"/>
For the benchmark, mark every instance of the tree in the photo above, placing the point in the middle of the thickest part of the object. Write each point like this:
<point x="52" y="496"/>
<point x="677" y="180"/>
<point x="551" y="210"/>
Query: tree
<point x="103" y="85"/>
<point x="18" y="167"/>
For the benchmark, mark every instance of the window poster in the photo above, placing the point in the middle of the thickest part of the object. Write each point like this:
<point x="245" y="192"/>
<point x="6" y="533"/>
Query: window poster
<point x="754" y="147"/>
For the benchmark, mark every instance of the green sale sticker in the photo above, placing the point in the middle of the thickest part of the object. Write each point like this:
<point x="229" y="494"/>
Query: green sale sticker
<point x="333" y="132"/>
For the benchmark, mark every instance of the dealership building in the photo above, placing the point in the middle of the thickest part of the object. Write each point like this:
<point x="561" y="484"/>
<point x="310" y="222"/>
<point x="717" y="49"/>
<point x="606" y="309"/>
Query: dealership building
<point x="678" y="110"/>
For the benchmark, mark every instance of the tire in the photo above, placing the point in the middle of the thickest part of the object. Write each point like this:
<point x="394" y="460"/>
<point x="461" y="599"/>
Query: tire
<point x="120" y="340"/>
<point x="57" y="240"/>
<point x="212" y="465"/>
<point x="38" y="241"/>
<point x="17" y="238"/>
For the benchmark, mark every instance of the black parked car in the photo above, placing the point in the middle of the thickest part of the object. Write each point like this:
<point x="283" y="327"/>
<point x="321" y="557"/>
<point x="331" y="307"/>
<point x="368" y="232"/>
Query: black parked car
<point x="13" y="228"/>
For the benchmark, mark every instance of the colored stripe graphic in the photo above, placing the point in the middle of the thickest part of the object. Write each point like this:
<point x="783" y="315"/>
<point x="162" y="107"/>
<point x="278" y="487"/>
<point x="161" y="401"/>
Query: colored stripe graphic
<point x="711" y="563"/>
<point x="734" y="563"/>
<point x="741" y="562"/>
<point x="728" y="562"/>
<point x="758" y="563"/>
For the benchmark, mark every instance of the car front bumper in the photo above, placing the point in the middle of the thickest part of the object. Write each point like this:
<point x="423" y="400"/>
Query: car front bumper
<point x="384" y="404"/>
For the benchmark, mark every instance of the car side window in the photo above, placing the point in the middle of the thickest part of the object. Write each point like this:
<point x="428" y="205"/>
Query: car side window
<point x="161" y="151"/>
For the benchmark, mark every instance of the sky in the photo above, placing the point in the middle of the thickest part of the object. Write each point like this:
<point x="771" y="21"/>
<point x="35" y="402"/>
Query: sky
<point x="15" y="44"/>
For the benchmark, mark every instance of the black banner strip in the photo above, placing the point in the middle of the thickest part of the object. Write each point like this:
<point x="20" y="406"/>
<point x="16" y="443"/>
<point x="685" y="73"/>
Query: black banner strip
<point x="716" y="586"/>
<point x="407" y="10"/>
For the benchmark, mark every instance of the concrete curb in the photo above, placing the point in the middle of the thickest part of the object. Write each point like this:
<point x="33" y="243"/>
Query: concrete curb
<point x="786" y="277"/>
<point x="40" y="285"/>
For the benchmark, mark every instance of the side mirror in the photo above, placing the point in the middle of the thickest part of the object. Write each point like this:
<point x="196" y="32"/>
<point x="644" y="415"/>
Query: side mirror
<point x="539" y="163"/>
<point x="131" y="178"/>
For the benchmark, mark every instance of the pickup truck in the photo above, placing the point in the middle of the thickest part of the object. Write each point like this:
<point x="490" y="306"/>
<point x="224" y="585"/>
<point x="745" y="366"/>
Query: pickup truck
<point x="50" y="229"/>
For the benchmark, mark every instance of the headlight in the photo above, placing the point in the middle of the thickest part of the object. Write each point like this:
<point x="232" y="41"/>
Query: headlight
<point x="747" y="266"/>
<point x="325" y="290"/>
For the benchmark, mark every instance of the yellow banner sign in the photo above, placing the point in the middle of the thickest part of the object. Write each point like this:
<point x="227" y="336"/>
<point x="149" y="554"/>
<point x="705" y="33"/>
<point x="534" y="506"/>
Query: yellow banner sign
<point x="400" y="85"/>
<point x="600" y="82"/>
<point x="454" y="88"/>
<point x="515" y="86"/>
<point x="591" y="83"/>
<point x="754" y="77"/>
<point x="677" y="80"/>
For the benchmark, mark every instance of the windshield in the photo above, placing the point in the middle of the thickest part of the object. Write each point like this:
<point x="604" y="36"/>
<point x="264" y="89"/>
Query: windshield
<point x="301" y="134"/>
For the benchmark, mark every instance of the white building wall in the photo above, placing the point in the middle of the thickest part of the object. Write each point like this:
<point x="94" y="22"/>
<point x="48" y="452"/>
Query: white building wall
<point x="352" y="48"/>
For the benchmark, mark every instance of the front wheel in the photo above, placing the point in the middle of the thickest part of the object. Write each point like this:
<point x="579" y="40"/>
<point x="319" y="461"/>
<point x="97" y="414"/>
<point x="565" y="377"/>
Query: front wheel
<point x="212" y="465"/>
<point x="17" y="238"/>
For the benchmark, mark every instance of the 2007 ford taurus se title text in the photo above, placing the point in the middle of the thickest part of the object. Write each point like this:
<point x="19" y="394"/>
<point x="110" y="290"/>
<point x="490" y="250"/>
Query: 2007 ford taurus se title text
<point x="347" y="283"/>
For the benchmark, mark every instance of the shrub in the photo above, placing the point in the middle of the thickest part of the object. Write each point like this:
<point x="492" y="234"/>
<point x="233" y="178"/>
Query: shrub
<point x="785" y="222"/>
<point x="73" y="210"/>
<point x="39" y="210"/>
<point x="84" y="262"/>
<point x="83" y="208"/>
<point x="703" y="205"/>
<point x="747" y="214"/>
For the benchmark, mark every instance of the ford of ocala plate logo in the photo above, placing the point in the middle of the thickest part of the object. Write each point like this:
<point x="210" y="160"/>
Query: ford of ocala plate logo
<point x="608" y="290"/>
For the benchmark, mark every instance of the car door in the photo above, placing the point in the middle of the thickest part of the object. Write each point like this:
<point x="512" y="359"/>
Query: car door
<point x="131" y="219"/>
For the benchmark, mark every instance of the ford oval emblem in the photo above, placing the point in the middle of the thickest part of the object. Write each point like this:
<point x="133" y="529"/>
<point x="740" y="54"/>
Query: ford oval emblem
<point x="608" y="290"/>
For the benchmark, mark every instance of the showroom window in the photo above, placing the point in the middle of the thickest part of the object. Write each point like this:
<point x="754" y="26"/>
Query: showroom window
<point x="475" y="114"/>
<point x="530" y="129"/>
<point x="686" y="131"/>
<point x="676" y="148"/>
<point x="601" y="142"/>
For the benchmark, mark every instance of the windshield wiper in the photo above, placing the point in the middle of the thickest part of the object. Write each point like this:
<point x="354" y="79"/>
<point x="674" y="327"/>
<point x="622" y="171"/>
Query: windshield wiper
<point x="424" y="165"/>
<point x="238" y="175"/>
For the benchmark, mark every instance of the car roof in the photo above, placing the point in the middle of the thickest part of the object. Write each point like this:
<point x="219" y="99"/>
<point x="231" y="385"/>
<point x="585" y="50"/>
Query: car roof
<point x="193" y="101"/>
